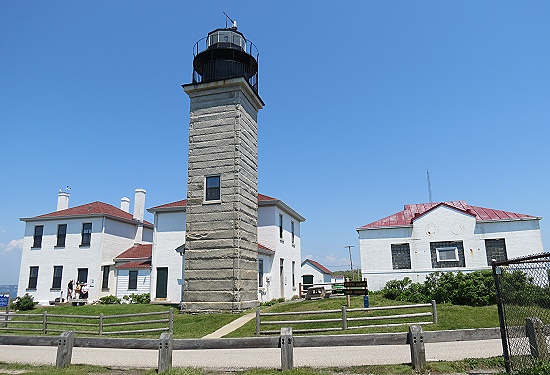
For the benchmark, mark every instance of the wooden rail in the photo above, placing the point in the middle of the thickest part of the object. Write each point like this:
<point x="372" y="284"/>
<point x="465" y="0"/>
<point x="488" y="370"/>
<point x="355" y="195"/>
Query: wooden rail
<point x="56" y="323"/>
<point x="343" y="320"/>
<point x="167" y="343"/>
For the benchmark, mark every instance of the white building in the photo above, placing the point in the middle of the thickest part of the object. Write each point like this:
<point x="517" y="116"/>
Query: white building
<point x="278" y="250"/>
<point x="314" y="273"/>
<point x="444" y="236"/>
<point x="81" y="244"/>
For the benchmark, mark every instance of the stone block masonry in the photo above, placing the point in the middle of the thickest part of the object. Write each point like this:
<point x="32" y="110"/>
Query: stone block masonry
<point x="221" y="245"/>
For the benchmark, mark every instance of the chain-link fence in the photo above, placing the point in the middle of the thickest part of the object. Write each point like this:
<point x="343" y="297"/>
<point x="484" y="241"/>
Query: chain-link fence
<point x="523" y="294"/>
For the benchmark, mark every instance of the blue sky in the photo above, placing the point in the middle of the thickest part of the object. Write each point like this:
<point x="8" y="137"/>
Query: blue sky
<point x="361" y="98"/>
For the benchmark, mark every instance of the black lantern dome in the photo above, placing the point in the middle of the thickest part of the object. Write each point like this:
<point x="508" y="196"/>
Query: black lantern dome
<point x="225" y="53"/>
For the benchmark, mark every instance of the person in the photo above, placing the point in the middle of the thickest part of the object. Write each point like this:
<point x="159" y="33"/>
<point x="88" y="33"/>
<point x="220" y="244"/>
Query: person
<point x="84" y="291"/>
<point x="70" y="291"/>
<point x="77" y="291"/>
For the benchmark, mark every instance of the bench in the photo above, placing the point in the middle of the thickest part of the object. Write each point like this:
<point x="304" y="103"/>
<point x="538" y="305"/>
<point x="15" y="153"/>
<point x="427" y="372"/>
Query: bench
<point x="317" y="292"/>
<point x="79" y="302"/>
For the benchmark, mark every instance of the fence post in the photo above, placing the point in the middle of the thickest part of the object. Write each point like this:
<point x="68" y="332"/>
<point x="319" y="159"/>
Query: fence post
<point x="257" y="322"/>
<point x="45" y="322"/>
<point x="344" y="318"/>
<point x="537" y="339"/>
<point x="287" y="349"/>
<point x="101" y="323"/>
<point x="434" y="312"/>
<point x="165" y="352"/>
<point x="64" y="349"/>
<point x="171" y="326"/>
<point x="5" y="324"/>
<point x="418" y="352"/>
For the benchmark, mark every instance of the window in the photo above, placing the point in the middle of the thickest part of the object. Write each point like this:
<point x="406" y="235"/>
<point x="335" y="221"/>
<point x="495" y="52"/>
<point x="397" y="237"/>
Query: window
<point x="281" y="227"/>
<point x="61" y="234"/>
<point x="293" y="274"/>
<point x="86" y="234"/>
<point x="57" y="274"/>
<point x="495" y="249"/>
<point x="260" y="273"/>
<point x="447" y="254"/>
<point x="212" y="190"/>
<point x="33" y="277"/>
<point x="38" y="231"/>
<point x="292" y="231"/>
<point x="82" y="276"/>
<point x="132" y="280"/>
<point x="105" y="278"/>
<point x="401" y="256"/>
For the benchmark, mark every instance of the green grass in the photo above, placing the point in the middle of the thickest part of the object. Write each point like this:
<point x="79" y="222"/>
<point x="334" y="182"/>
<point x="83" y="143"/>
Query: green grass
<point x="199" y="325"/>
<point x="449" y="316"/>
<point x="467" y="366"/>
<point x="185" y="325"/>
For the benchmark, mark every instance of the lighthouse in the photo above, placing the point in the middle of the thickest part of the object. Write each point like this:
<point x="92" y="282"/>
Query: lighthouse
<point x="221" y="246"/>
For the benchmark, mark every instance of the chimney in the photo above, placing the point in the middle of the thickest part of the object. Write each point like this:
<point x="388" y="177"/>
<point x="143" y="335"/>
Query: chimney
<point x="139" y="205"/>
<point x="62" y="200"/>
<point x="125" y="204"/>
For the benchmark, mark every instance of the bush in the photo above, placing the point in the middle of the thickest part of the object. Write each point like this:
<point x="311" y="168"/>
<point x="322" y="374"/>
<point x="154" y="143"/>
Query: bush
<point x="144" y="298"/>
<point x="23" y="303"/>
<point x="539" y="368"/>
<point x="109" y="300"/>
<point x="473" y="289"/>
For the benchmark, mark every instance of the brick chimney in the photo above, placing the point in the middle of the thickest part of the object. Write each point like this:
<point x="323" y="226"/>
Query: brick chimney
<point x="62" y="200"/>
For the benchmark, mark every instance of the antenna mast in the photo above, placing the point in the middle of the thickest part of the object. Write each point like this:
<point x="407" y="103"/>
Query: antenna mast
<point x="429" y="186"/>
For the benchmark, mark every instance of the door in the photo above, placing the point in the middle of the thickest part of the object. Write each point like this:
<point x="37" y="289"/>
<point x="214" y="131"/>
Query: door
<point x="162" y="282"/>
<point x="307" y="282"/>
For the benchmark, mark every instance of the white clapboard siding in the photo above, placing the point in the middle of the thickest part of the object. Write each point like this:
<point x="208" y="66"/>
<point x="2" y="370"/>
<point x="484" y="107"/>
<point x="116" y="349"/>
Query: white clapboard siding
<point x="143" y="283"/>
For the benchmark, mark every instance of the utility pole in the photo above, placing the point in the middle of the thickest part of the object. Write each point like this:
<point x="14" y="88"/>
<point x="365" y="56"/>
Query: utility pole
<point x="350" y="260"/>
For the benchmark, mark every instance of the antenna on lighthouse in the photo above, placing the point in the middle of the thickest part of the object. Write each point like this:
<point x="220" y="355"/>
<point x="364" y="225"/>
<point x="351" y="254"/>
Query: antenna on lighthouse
<point x="233" y="22"/>
<point x="429" y="185"/>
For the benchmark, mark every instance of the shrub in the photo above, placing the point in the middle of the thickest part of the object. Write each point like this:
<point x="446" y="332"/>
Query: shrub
<point x="144" y="298"/>
<point x="472" y="289"/>
<point x="109" y="300"/>
<point x="23" y="303"/>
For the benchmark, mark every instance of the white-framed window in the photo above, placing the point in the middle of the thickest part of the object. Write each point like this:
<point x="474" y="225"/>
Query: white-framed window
<point x="447" y="254"/>
<point x="212" y="188"/>
<point x="293" y="274"/>
<point x="281" y="227"/>
<point x="260" y="272"/>
<point x="86" y="238"/>
<point x="292" y="232"/>
<point x="37" y="238"/>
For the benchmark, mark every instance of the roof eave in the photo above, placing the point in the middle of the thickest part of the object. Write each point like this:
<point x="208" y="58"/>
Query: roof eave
<point x="154" y="210"/>
<point x="384" y="227"/>
<point x="283" y="206"/>
<point x="511" y="219"/>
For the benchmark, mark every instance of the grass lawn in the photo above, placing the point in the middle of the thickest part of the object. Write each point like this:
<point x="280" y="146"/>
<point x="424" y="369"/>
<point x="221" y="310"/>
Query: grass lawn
<point x="185" y="325"/>
<point x="199" y="325"/>
<point x="468" y="366"/>
<point x="449" y="316"/>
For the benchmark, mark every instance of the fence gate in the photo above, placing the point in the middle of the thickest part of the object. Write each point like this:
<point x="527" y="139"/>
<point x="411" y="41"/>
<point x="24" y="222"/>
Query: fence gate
<point x="523" y="296"/>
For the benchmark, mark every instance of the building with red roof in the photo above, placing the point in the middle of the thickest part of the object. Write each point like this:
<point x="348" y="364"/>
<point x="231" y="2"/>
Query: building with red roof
<point x="443" y="236"/>
<point x="314" y="273"/>
<point x="85" y="244"/>
<point x="279" y="253"/>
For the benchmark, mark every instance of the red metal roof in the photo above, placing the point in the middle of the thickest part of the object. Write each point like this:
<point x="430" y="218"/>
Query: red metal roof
<point x="413" y="211"/>
<point x="94" y="208"/>
<point x="134" y="265"/>
<point x="138" y="251"/>
<point x="318" y="265"/>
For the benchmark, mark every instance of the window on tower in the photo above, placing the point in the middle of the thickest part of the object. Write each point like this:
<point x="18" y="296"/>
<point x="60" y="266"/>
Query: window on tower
<point x="212" y="190"/>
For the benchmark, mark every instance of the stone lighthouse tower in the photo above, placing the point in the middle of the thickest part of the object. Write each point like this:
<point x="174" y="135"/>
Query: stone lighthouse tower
<point x="221" y="248"/>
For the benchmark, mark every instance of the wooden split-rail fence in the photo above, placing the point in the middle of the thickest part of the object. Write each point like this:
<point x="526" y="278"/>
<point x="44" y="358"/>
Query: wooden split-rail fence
<point x="346" y="318"/>
<point x="162" y="321"/>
